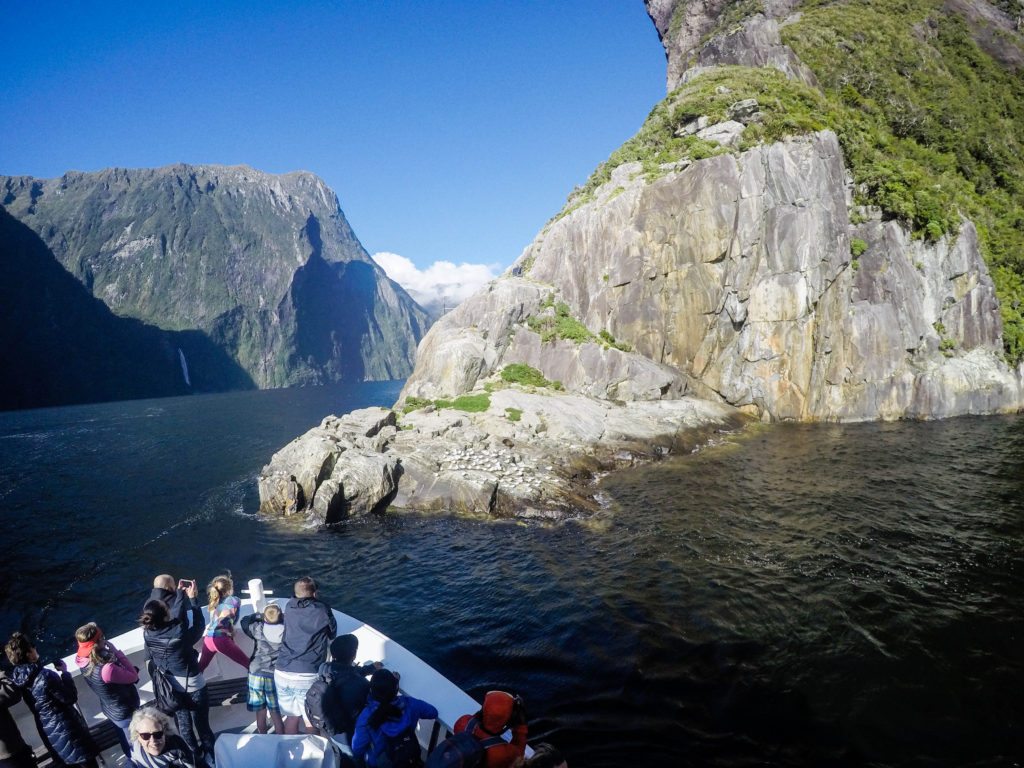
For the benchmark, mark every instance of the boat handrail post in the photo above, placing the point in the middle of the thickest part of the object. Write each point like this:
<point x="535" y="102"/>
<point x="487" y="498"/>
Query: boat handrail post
<point x="258" y="595"/>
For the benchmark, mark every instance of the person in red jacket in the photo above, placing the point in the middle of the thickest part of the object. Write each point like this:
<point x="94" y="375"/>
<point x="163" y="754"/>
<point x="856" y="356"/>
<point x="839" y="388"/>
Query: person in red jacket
<point x="501" y="712"/>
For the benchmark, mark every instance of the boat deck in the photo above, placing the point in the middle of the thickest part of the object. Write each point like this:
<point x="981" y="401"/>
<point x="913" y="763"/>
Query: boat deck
<point x="226" y="682"/>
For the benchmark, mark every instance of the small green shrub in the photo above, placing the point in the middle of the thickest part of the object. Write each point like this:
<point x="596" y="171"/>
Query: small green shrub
<point x="857" y="247"/>
<point x="609" y="341"/>
<point x="561" y="325"/>
<point x="414" y="404"/>
<point x="513" y="414"/>
<point x="520" y="373"/>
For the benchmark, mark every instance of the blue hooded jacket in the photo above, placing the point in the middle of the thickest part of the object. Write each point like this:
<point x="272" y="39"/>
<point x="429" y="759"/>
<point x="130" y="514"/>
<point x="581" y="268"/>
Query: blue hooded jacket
<point x="368" y="743"/>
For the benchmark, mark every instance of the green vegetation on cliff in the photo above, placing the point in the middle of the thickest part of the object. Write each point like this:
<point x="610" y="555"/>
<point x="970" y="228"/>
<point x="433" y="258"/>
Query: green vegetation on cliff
<point x="789" y="109"/>
<point x="931" y="124"/>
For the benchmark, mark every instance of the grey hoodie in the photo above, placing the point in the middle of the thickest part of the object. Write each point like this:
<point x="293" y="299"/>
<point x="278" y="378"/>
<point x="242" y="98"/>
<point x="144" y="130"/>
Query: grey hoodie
<point x="268" y="638"/>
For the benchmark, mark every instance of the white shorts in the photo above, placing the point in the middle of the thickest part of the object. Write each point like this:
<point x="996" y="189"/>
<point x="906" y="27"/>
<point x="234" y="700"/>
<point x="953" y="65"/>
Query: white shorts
<point x="291" y="691"/>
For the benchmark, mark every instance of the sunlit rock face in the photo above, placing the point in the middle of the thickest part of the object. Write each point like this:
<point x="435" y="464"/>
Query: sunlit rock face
<point x="732" y="279"/>
<point x="266" y="266"/>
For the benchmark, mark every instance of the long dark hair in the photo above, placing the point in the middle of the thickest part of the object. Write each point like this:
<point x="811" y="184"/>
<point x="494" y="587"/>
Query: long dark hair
<point x="384" y="689"/>
<point x="154" y="615"/>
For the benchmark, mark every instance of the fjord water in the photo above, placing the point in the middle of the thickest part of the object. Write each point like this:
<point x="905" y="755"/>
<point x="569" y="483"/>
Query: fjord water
<point x="796" y="595"/>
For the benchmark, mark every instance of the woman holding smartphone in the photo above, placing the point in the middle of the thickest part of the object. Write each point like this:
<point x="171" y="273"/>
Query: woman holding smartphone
<point x="170" y="645"/>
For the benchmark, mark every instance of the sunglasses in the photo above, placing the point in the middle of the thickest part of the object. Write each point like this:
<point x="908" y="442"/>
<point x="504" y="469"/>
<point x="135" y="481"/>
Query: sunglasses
<point x="158" y="735"/>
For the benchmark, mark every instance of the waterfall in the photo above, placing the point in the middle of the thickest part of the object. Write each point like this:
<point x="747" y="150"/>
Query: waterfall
<point x="184" y="368"/>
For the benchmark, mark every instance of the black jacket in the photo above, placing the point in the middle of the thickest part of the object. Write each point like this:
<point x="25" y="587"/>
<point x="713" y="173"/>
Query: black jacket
<point x="172" y="647"/>
<point x="11" y="742"/>
<point x="177" y="602"/>
<point x="51" y="697"/>
<point x="346" y="695"/>
<point x="117" y="700"/>
<point x="309" y="627"/>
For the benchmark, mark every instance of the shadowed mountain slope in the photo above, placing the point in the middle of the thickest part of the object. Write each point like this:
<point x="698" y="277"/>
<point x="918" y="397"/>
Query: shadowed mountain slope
<point x="228" y="252"/>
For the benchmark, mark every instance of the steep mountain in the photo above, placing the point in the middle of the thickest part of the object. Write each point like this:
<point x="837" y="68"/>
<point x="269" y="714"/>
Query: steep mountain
<point x="60" y="345"/>
<point x="265" y="267"/>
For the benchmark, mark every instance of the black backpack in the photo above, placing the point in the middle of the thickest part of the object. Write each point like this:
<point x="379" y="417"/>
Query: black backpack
<point x="401" y="751"/>
<point x="316" y="701"/>
<point x="463" y="750"/>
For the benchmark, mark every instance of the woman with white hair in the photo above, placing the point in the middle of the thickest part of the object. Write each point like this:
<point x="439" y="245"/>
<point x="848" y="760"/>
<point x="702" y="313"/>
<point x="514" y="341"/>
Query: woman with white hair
<point x="155" y="741"/>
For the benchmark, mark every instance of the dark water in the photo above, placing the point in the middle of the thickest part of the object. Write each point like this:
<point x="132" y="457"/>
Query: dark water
<point x="798" y="596"/>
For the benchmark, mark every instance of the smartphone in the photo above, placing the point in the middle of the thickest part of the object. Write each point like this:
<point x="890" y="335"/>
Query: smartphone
<point x="185" y="584"/>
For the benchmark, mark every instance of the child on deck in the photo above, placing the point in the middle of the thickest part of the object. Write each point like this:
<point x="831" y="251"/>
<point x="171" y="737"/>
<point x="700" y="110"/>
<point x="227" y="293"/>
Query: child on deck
<point x="219" y="635"/>
<point x="267" y="630"/>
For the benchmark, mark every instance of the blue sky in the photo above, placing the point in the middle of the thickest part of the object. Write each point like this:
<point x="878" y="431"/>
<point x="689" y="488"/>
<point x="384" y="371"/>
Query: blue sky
<point x="450" y="130"/>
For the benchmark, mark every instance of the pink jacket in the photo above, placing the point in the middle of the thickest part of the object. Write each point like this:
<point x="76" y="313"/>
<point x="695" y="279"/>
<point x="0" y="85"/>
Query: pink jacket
<point x="120" y="670"/>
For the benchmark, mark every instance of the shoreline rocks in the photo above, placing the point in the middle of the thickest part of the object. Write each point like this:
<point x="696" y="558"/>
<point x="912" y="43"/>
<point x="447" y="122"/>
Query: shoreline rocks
<point x="530" y="455"/>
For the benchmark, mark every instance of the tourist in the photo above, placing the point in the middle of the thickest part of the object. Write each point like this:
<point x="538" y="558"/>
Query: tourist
<point x="347" y="689"/>
<point x="112" y="678"/>
<point x="14" y="752"/>
<point x="267" y="631"/>
<point x="51" y="696"/>
<point x="219" y="634"/>
<point x="387" y="725"/>
<point x="309" y="625"/>
<point x="501" y="711"/>
<point x="172" y="595"/>
<point x="170" y="643"/>
<point x="155" y="743"/>
<point x="544" y="756"/>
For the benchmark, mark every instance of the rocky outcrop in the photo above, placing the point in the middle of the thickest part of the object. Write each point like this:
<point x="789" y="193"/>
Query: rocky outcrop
<point x="265" y="266"/>
<point x="734" y="284"/>
<point x="733" y="279"/>
<point x="531" y="454"/>
<point x="489" y="331"/>
<point x="699" y="34"/>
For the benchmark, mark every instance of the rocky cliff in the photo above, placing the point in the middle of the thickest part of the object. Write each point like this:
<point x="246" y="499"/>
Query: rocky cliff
<point x="773" y="242"/>
<point x="265" y="266"/>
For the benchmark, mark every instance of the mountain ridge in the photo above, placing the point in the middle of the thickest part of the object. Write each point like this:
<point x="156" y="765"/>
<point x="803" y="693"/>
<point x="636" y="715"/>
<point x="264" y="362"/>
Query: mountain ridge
<point x="218" y="249"/>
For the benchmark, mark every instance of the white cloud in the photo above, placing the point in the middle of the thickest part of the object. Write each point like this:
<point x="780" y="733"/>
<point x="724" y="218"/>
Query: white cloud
<point x="442" y="284"/>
